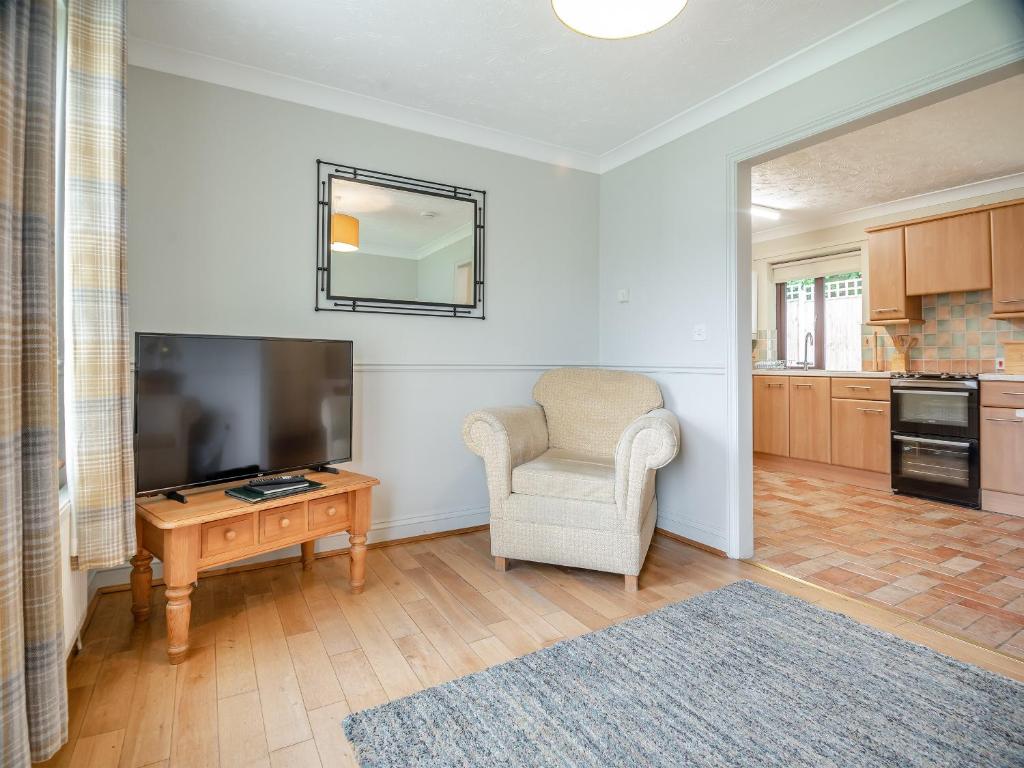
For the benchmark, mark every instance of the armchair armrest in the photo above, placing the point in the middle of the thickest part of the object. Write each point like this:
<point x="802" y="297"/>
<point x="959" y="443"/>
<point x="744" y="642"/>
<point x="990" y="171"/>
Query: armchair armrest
<point x="505" y="438"/>
<point x="650" y="442"/>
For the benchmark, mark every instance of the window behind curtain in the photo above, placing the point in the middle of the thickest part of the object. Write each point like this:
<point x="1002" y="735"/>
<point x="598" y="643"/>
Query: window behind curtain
<point x="822" y="296"/>
<point x="58" y="239"/>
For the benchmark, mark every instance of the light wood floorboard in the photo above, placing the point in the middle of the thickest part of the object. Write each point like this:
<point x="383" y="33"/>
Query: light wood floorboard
<point x="283" y="655"/>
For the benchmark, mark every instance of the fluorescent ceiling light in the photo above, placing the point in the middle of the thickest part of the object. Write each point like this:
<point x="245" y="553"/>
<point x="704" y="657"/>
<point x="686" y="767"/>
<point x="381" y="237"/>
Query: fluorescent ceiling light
<point x="616" y="19"/>
<point x="764" y="212"/>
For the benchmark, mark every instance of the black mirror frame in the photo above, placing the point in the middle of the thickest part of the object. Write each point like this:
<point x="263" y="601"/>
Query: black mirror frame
<point x="325" y="171"/>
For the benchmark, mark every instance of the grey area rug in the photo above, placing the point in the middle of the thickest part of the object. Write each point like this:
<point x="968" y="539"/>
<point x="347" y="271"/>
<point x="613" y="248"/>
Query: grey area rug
<point x="742" y="676"/>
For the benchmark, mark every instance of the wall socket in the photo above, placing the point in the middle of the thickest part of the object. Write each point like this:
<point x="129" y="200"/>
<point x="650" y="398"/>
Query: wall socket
<point x="700" y="332"/>
<point x="622" y="295"/>
<point x="1000" y="363"/>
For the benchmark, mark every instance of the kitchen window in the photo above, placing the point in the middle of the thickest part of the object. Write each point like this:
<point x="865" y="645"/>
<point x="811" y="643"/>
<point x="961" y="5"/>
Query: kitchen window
<point x="827" y="306"/>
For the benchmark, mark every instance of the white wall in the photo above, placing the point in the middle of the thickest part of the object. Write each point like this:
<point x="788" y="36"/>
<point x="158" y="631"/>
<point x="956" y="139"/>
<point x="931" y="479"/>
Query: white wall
<point x="669" y="234"/>
<point x="221" y="202"/>
<point x="372" y="276"/>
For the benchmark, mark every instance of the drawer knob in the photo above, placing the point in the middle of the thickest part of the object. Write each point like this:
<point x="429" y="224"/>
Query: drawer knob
<point x="331" y="511"/>
<point x="230" y="534"/>
<point x="285" y="522"/>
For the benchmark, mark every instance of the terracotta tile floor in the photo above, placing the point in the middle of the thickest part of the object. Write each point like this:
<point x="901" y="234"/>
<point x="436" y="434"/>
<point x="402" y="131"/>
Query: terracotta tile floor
<point x="959" y="570"/>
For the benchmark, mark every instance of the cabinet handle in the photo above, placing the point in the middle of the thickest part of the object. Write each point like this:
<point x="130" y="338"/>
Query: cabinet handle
<point x="1015" y="394"/>
<point x="230" y="535"/>
<point x="887" y="309"/>
<point x="285" y="522"/>
<point x="856" y="386"/>
<point x="773" y="385"/>
<point x="804" y="386"/>
<point x="1011" y="421"/>
<point x="331" y="511"/>
<point x="871" y="410"/>
<point x="1009" y="301"/>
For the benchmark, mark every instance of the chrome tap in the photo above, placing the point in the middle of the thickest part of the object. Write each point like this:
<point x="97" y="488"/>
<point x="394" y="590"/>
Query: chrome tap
<point x="808" y="339"/>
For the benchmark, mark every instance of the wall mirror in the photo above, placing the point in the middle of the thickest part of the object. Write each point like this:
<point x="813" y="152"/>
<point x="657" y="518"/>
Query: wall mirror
<point x="397" y="245"/>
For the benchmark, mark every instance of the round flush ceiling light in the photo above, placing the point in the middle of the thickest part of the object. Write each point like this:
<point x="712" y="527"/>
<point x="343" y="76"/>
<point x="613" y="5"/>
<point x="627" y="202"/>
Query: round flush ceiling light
<point x="616" y="19"/>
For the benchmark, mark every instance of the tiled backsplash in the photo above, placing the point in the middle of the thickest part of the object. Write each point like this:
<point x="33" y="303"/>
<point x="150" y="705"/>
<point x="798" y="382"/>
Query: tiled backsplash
<point x="956" y="336"/>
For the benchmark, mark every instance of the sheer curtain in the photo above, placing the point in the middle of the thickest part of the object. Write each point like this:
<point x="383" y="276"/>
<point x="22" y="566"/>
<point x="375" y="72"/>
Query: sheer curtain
<point x="33" y="697"/>
<point x="97" y="345"/>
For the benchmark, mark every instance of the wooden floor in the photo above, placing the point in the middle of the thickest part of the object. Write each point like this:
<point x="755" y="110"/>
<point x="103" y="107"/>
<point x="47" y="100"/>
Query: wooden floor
<point x="279" y="657"/>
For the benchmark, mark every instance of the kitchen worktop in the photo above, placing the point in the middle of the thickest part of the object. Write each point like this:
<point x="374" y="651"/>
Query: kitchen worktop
<point x="1001" y="377"/>
<point x="818" y="372"/>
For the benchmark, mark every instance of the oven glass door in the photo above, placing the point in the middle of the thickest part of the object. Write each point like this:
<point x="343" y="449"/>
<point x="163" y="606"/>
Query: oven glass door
<point x="934" y="461"/>
<point x="935" y="412"/>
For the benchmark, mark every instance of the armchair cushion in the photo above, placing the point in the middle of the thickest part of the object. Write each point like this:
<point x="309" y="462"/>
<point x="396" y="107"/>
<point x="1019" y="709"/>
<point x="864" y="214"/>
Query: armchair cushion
<point x="566" y="474"/>
<point x="587" y="409"/>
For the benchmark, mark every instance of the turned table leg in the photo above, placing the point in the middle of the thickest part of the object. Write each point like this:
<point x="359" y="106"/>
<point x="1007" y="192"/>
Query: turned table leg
<point x="308" y="555"/>
<point x="179" y="612"/>
<point x="357" y="539"/>
<point x="142" y="581"/>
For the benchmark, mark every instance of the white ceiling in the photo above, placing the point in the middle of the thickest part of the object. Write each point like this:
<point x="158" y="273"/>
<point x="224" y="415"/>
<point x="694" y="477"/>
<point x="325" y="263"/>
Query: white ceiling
<point x="966" y="139"/>
<point x="509" y="65"/>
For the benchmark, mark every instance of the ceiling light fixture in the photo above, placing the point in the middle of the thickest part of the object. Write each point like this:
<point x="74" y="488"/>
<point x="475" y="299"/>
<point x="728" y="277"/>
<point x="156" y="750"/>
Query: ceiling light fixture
<point x="344" y="232"/>
<point x="616" y="19"/>
<point x="764" y="212"/>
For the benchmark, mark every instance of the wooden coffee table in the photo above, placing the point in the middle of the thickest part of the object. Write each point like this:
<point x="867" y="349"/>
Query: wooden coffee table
<point x="214" y="529"/>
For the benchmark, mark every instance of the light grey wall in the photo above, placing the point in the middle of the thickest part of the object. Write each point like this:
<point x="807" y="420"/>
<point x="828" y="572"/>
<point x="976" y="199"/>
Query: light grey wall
<point x="665" y="234"/>
<point x="221" y="214"/>
<point x="370" y="276"/>
<point x="437" y="271"/>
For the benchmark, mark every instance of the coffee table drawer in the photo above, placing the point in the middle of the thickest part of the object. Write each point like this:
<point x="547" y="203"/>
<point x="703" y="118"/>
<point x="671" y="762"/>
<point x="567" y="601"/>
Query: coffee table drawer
<point x="329" y="512"/>
<point x="227" y="535"/>
<point x="282" y="522"/>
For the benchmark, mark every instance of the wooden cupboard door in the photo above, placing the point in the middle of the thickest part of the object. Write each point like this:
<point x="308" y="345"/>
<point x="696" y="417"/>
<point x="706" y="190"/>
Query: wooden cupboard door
<point x="1004" y="394"/>
<point x="950" y="254"/>
<point x="1008" y="259"/>
<point x="771" y="415"/>
<point x="1002" y="449"/>
<point x="809" y="418"/>
<point x="887" y="286"/>
<point x="861" y="435"/>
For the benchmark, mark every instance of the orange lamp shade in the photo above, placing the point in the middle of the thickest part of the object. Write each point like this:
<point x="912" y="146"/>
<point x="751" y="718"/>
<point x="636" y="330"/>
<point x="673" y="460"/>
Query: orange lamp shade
<point x="344" y="232"/>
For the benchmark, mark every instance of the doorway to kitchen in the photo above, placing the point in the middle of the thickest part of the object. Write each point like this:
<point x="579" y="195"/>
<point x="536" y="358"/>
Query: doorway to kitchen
<point x="887" y="273"/>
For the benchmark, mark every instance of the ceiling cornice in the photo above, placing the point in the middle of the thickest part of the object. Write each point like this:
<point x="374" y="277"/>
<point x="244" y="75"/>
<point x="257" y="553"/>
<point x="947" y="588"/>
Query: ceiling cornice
<point x="916" y="202"/>
<point x="894" y="20"/>
<point x="868" y="32"/>
<point x="210" y="69"/>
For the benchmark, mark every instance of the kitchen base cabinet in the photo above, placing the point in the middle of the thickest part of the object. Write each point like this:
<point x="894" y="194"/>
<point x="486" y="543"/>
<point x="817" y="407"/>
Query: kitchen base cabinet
<point x="809" y="420"/>
<point x="771" y="415"/>
<point x="861" y="434"/>
<point x="1002" y="459"/>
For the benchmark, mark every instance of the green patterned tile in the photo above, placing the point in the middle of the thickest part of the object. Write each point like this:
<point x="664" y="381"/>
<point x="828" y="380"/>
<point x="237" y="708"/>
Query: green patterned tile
<point x="974" y="353"/>
<point x="972" y="324"/>
<point x="973" y="297"/>
<point x="943" y="326"/>
<point x="988" y="338"/>
<point x="942" y="299"/>
<point x="957" y="310"/>
<point x="957" y="340"/>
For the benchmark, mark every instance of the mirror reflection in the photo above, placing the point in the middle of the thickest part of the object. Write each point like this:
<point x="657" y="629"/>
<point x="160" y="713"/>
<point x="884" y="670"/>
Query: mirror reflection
<point x="397" y="244"/>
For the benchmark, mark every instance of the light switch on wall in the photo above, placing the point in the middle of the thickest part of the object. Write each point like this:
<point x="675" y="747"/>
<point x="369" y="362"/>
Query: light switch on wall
<point x="700" y="332"/>
<point x="622" y="295"/>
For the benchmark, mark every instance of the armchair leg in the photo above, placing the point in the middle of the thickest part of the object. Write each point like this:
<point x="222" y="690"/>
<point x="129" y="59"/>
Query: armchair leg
<point x="501" y="564"/>
<point x="632" y="583"/>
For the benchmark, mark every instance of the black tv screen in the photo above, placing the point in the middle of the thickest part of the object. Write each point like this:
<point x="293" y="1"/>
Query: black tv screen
<point x="210" y="409"/>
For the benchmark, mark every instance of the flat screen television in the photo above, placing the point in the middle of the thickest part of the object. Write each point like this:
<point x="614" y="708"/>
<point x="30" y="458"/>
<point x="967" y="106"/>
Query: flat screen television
<point x="211" y="409"/>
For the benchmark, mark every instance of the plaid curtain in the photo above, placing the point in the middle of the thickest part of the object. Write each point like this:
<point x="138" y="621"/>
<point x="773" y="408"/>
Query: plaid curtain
<point x="97" y="345"/>
<point x="33" y="697"/>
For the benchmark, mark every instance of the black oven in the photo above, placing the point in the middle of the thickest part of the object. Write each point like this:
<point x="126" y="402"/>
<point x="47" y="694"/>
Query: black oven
<point x="935" y="450"/>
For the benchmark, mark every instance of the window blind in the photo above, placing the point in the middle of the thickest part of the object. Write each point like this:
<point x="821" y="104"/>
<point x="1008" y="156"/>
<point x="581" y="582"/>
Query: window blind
<point x="817" y="266"/>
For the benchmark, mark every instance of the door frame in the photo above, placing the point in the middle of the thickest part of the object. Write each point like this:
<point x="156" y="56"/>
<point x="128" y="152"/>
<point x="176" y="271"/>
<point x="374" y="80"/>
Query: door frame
<point x="961" y="78"/>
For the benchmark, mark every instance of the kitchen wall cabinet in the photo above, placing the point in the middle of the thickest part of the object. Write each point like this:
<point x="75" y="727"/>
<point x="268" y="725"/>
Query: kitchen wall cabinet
<point x="887" y="289"/>
<point x="860" y="434"/>
<point x="1008" y="259"/>
<point x="771" y="415"/>
<point x="949" y="254"/>
<point x="809" y="419"/>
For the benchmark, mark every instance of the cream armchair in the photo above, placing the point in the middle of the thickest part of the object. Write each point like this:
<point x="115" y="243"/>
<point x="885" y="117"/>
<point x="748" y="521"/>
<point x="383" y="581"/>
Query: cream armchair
<point x="571" y="479"/>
